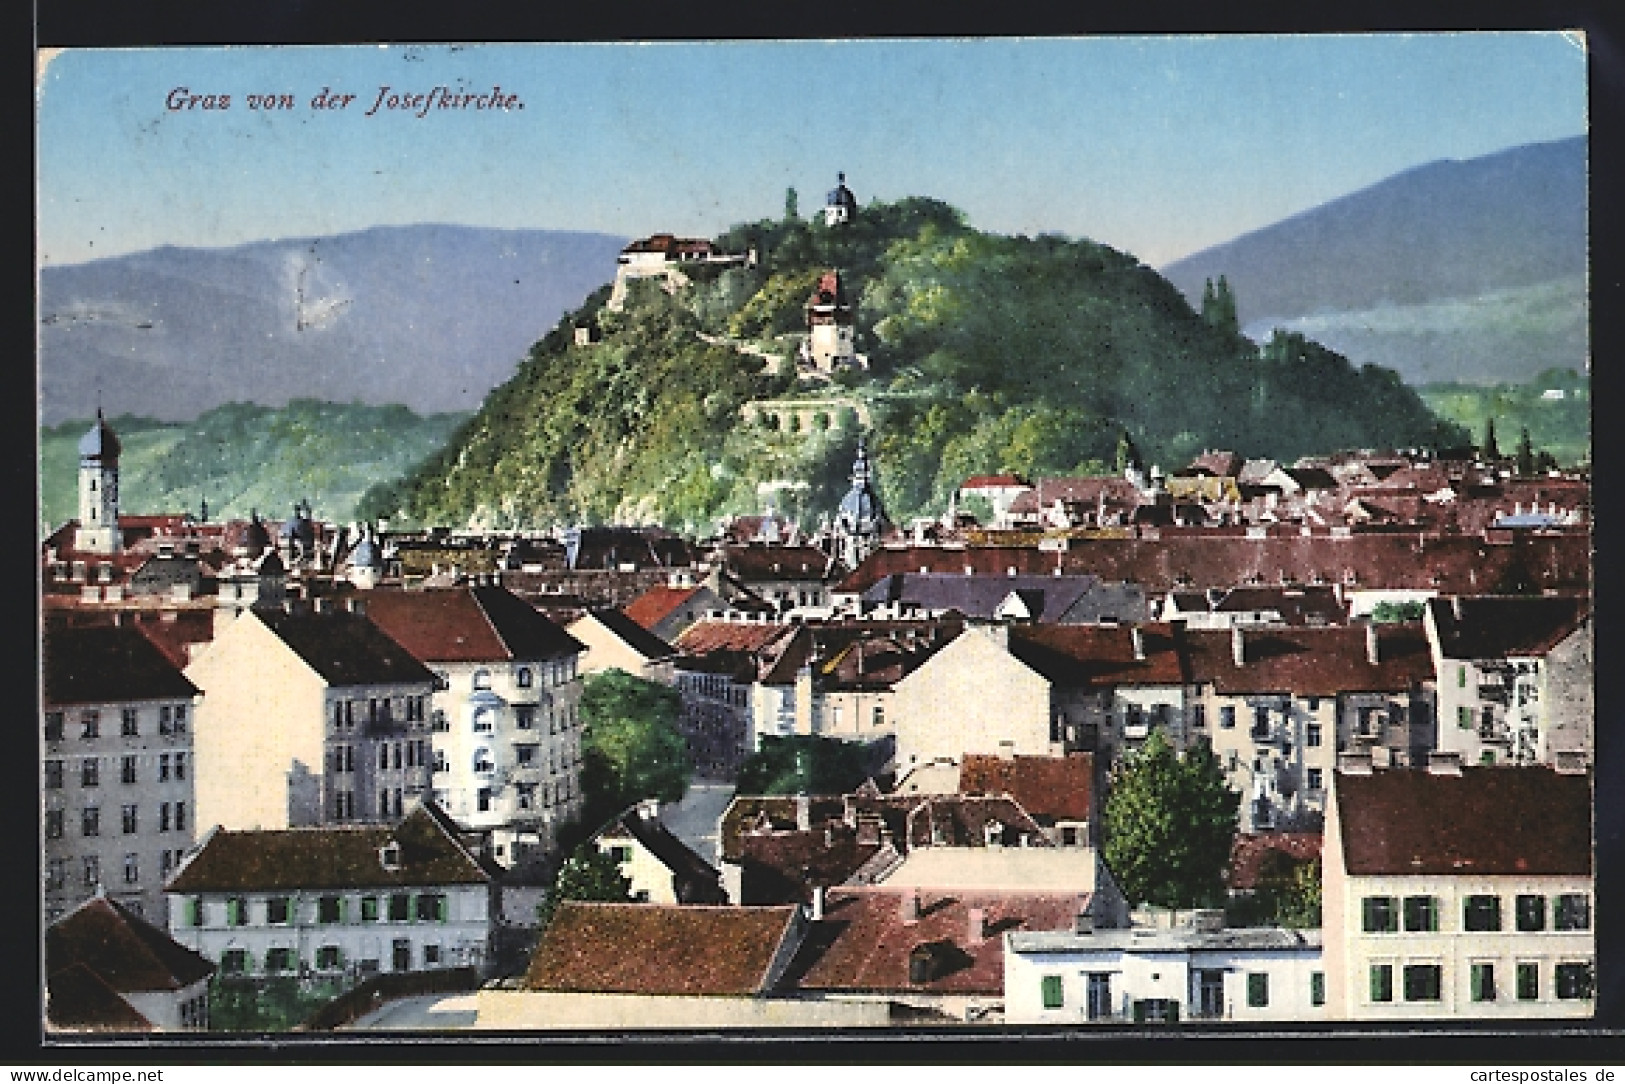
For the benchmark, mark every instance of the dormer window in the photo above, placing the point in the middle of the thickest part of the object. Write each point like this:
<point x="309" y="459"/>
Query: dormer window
<point x="389" y="855"/>
<point x="523" y="677"/>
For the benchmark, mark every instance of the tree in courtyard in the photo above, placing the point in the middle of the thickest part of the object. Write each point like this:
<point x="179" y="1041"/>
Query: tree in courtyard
<point x="1170" y="821"/>
<point x="631" y="748"/>
<point x="588" y="874"/>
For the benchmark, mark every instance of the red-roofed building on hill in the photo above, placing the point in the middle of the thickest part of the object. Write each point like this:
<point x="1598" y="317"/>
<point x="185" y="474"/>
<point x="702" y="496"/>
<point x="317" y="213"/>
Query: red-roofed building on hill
<point x="117" y="768"/>
<point x="109" y="969"/>
<point x="998" y="490"/>
<point x="506" y="733"/>
<point x="1453" y="893"/>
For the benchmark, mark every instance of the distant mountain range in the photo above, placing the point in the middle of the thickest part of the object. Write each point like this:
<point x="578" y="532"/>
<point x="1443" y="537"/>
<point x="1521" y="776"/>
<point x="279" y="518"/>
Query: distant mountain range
<point x="429" y="316"/>
<point x="1471" y="271"/>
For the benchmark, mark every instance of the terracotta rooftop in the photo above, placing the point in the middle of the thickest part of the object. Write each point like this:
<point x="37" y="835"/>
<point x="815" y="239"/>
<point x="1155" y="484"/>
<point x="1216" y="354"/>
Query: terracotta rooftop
<point x="468" y="624"/>
<point x="641" y="948"/>
<point x="332" y="858"/>
<point x="108" y="664"/>
<point x="1487" y="820"/>
<point x="657" y="603"/>
<point x="77" y="999"/>
<point x="864" y="942"/>
<point x="992" y="481"/>
<point x="1249" y="851"/>
<point x="1495" y="627"/>
<point x="125" y="951"/>
<point x="759" y="563"/>
<point x="1049" y="788"/>
<point x="706" y="637"/>
<point x="1310" y="661"/>
<point x="1099" y="656"/>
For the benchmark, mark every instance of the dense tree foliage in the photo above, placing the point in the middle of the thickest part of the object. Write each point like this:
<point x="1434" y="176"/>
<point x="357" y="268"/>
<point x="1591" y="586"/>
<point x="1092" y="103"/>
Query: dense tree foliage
<point x="1170" y="821"/>
<point x="588" y="874"/>
<point x="807" y="764"/>
<point x="631" y="748"/>
<point x="987" y="354"/>
<point x="1554" y="408"/>
<point x="1287" y="894"/>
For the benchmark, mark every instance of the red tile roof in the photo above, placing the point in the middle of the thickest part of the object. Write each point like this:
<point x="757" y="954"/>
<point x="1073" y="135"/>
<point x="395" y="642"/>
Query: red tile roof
<point x="640" y="948"/>
<point x="1249" y="850"/>
<point x="468" y="624"/>
<point x="1049" y="788"/>
<point x="125" y="951"/>
<point x="1495" y="627"/>
<point x="992" y="481"/>
<point x="1099" y="656"/>
<point x="1310" y="661"/>
<point x="766" y="564"/>
<point x="657" y="603"/>
<point x="864" y="942"/>
<point x="77" y="999"/>
<point x="706" y="637"/>
<point x="1486" y="820"/>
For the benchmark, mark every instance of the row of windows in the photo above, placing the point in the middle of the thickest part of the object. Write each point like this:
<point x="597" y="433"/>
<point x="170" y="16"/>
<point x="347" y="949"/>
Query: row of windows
<point x="1097" y="988"/>
<point x="1480" y="913"/>
<point x="391" y="756"/>
<point x="379" y="710"/>
<point x="1424" y="982"/>
<point x="391" y="803"/>
<point x="237" y="961"/>
<point x="171" y="817"/>
<point x="90" y="868"/>
<point x="330" y="910"/>
<point x="169" y="766"/>
<point x="171" y="720"/>
<point x="553" y="673"/>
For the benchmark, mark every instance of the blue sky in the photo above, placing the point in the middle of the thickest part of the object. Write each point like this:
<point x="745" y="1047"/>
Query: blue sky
<point x="1157" y="146"/>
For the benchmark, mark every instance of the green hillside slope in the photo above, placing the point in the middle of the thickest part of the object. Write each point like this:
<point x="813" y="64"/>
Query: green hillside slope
<point x="240" y="457"/>
<point x="987" y="353"/>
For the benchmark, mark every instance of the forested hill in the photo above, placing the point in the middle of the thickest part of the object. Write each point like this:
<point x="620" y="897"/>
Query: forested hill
<point x="987" y="354"/>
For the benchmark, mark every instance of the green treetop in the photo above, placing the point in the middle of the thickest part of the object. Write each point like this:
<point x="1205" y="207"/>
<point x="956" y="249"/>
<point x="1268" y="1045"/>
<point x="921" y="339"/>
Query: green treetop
<point x="1170" y="820"/>
<point x="631" y="748"/>
<point x="588" y="874"/>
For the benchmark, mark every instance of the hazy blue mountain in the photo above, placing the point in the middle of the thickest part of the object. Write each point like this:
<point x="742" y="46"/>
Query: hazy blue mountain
<point x="429" y="316"/>
<point x="1456" y="270"/>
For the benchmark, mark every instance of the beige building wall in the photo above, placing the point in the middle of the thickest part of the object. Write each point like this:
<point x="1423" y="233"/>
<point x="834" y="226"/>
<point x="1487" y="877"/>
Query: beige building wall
<point x="606" y="651"/>
<point x="538" y="1010"/>
<point x="970" y="697"/>
<point x="264" y="713"/>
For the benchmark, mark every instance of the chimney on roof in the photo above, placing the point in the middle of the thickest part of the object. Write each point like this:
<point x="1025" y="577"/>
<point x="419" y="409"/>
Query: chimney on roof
<point x="1569" y="762"/>
<point x="1238" y="646"/>
<point x="1138" y="638"/>
<point x="976" y="926"/>
<point x="818" y="892"/>
<point x="1444" y="763"/>
<point x="1373" y="652"/>
<point x="910" y="906"/>
<point x="1007" y="750"/>
<point x="803" y="813"/>
<point x="1455" y="606"/>
<point x="1354" y="763"/>
<point x="318" y="605"/>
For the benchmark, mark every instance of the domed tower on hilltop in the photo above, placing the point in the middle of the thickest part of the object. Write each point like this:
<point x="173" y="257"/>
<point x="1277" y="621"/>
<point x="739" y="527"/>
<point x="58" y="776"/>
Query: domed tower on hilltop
<point x="840" y="205"/>
<point x="98" y="530"/>
<point x="861" y="519"/>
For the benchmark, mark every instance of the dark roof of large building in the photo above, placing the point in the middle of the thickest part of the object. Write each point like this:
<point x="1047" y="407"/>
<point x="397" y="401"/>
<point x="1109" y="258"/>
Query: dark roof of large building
<point x="333" y="858"/>
<point x="642" y="948"/>
<point x="1310" y="605"/>
<point x="865" y="942"/>
<point x="757" y="563"/>
<point x="125" y="951"/>
<point x="108" y="664"/>
<point x="469" y="624"/>
<point x="1310" y="661"/>
<point x="1486" y="820"/>
<point x="345" y="648"/>
<point x="1099" y="656"/>
<point x="1495" y="627"/>
<point x="1049" y="788"/>
<point x="633" y="635"/>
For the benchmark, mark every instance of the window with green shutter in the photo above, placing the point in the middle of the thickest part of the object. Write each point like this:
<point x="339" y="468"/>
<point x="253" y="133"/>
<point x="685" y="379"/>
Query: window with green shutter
<point x="1378" y="915"/>
<point x="1421" y="914"/>
<point x="1317" y="987"/>
<point x="1382" y="982"/>
<point x="1531" y="914"/>
<point x="369" y="908"/>
<point x="236" y="911"/>
<point x="1483" y="982"/>
<point x="330" y="909"/>
<point x="1258" y="990"/>
<point x="1464" y="717"/>
<point x="1481" y="914"/>
<point x="1051" y="988"/>
<point x="1528" y="982"/>
<point x="194" y="911"/>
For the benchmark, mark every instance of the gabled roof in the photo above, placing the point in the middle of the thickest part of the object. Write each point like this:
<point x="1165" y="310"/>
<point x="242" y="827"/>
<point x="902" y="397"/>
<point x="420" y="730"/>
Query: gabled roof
<point x="78" y="999"/>
<point x="1493" y="627"/>
<point x="709" y="636"/>
<point x="1099" y="656"/>
<point x="642" y="948"/>
<point x="632" y="634"/>
<point x="1497" y="820"/>
<point x="697" y="881"/>
<point x="1296" y="605"/>
<point x="864" y="942"/>
<point x="468" y="624"/>
<point x="345" y="648"/>
<point x="125" y="951"/>
<point x="658" y="603"/>
<point x="1050" y="788"/>
<point x="108" y="664"/>
<point x="1310" y="661"/>
<point x="767" y="564"/>
<point x="332" y="858"/>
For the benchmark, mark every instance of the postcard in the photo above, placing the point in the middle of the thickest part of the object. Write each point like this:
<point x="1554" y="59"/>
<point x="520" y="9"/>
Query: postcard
<point x="843" y="537"/>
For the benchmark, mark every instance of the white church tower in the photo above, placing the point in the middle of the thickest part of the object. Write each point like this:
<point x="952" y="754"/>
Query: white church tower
<point x="98" y="530"/>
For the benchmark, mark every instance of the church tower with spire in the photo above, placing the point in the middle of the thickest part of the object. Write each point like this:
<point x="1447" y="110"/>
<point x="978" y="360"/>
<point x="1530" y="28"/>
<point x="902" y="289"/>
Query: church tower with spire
<point x="860" y="520"/>
<point x="98" y="530"/>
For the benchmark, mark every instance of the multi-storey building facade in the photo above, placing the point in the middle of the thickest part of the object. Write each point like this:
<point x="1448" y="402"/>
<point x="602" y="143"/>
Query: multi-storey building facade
<point x="316" y="717"/>
<point x="1459" y="892"/>
<point x="348" y="901"/>
<point x="117" y="771"/>
<point x="504" y="714"/>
